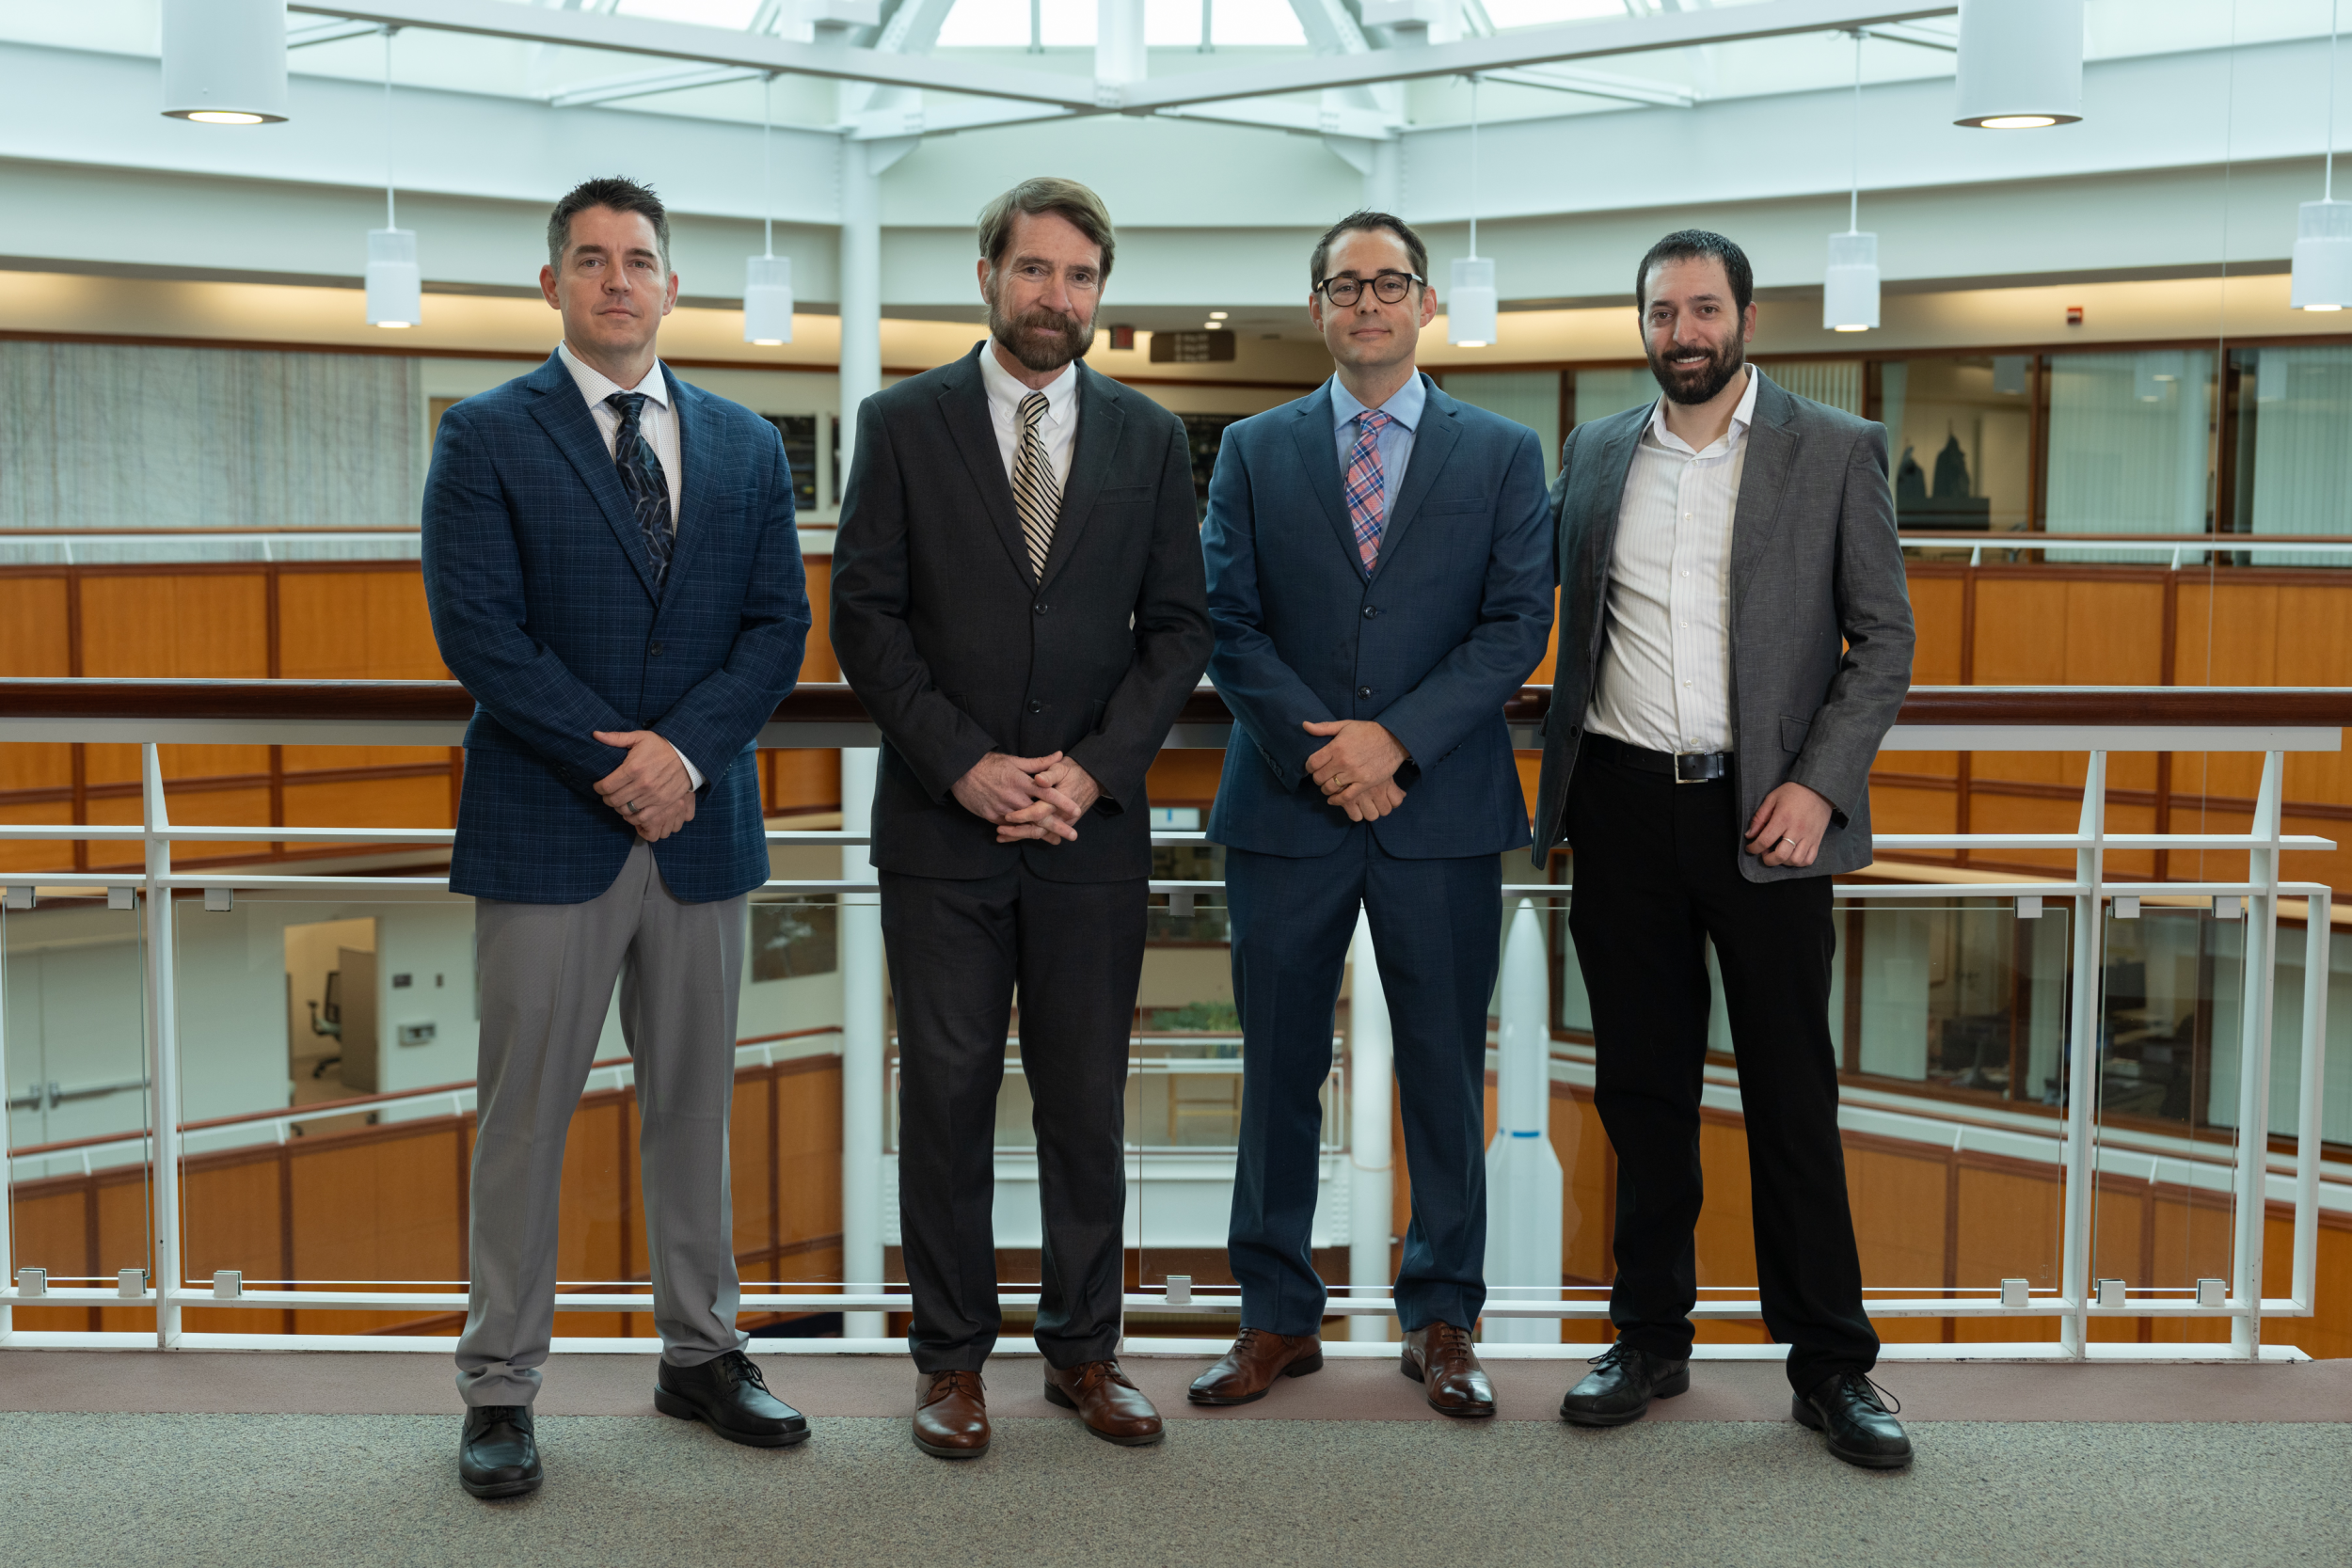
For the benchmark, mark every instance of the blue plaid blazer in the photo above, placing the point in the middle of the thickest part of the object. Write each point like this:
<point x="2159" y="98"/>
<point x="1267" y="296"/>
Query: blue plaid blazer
<point x="544" y="605"/>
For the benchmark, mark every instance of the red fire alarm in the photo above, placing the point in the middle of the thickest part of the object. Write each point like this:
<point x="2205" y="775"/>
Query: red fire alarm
<point x="1124" y="337"/>
<point x="2073" y="315"/>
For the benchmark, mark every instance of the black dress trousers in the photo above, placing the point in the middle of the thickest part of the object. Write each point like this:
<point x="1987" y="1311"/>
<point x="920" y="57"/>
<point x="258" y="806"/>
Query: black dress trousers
<point x="959" y="949"/>
<point x="1657" y="877"/>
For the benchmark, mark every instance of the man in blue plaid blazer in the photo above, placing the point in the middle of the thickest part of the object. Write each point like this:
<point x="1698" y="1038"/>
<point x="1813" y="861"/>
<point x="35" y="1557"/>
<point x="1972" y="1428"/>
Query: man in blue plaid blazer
<point x="613" y="574"/>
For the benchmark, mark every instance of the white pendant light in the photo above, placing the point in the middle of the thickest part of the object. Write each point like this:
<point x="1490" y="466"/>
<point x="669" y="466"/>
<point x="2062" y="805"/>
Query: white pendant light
<point x="1471" y="305"/>
<point x="768" y="278"/>
<point x="2021" y="64"/>
<point x="225" y="61"/>
<point x="395" y="283"/>
<point x="1850" y="289"/>
<point x="2323" y="229"/>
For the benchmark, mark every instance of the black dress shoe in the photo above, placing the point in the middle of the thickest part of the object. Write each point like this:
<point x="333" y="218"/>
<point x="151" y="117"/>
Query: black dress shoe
<point x="728" y="1394"/>
<point x="498" y="1457"/>
<point x="1847" y="1410"/>
<point x="1621" y="1384"/>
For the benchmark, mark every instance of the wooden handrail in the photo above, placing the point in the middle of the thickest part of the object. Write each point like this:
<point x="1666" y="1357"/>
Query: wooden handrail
<point x="833" y="702"/>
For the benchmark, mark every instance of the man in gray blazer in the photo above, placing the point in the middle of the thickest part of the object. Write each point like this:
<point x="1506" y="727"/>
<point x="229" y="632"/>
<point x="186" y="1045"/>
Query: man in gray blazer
<point x="1720" y="693"/>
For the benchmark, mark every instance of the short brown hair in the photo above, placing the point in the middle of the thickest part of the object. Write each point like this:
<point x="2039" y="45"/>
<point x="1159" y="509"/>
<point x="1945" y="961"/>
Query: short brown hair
<point x="1045" y="194"/>
<point x="622" y="195"/>
<point x="1363" y="222"/>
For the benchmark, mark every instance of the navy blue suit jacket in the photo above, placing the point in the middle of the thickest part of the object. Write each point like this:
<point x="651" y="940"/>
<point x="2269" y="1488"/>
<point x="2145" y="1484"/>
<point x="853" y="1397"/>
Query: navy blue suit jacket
<point x="1452" y="619"/>
<point x="544" y="605"/>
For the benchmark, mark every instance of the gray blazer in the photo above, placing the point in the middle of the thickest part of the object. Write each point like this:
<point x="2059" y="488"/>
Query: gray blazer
<point x="1821" y="614"/>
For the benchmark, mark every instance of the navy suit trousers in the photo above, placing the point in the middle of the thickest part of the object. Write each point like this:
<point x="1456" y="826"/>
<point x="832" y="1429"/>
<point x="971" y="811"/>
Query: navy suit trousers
<point x="1437" y="927"/>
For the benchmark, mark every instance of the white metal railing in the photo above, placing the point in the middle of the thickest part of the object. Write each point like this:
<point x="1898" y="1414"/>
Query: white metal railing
<point x="2185" y="550"/>
<point x="2074" y="1304"/>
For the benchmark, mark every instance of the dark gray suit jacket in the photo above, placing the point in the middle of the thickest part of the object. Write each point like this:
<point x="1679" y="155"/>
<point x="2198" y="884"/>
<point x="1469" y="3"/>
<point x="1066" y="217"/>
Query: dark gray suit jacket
<point x="1820" y="613"/>
<point x="957" y="649"/>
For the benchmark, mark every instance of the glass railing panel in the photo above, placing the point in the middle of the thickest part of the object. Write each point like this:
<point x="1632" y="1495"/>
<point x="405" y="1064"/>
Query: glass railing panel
<point x="1949" y="1014"/>
<point x="328" y="1048"/>
<point x="74" y="1062"/>
<point x="2173" y="983"/>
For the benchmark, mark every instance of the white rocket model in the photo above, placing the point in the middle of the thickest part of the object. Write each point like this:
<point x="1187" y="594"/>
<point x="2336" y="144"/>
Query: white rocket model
<point x="1524" y="1191"/>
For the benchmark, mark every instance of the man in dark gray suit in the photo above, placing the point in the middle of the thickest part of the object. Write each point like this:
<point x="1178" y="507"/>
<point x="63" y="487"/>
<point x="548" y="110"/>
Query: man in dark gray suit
<point x="1017" y="595"/>
<point x="1720" y="693"/>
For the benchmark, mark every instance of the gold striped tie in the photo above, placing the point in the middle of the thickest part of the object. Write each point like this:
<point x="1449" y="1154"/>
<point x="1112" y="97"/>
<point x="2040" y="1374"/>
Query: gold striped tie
<point x="1036" y="493"/>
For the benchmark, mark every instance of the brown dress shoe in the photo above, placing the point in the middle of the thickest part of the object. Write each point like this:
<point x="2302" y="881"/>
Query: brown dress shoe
<point x="1440" y="1357"/>
<point x="1113" y="1408"/>
<point x="1249" y="1369"/>
<point x="950" y="1415"/>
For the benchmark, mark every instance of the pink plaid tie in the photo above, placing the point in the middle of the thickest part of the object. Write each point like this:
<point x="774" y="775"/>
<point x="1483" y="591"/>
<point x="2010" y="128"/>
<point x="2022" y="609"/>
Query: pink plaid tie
<point x="1366" y="502"/>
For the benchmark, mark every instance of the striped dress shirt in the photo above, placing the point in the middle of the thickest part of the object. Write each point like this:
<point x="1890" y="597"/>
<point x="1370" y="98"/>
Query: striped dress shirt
<point x="1665" y="663"/>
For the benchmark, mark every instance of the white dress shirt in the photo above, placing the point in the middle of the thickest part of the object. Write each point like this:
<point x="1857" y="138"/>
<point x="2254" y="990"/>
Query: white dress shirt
<point x="656" y="421"/>
<point x="1059" y="429"/>
<point x="1665" y="663"/>
<point x="1394" y="443"/>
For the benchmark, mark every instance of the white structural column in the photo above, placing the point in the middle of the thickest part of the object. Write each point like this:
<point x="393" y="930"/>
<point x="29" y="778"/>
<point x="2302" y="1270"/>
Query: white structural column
<point x="1371" y="1095"/>
<point x="2082" y="1062"/>
<point x="2258" y="979"/>
<point x="1524" y="1191"/>
<point x="163" y="1056"/>
<point x="863" y="1050"/>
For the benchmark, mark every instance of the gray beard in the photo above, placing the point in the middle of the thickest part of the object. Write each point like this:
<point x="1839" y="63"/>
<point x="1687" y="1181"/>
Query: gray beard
<point x="1037" y="354"/>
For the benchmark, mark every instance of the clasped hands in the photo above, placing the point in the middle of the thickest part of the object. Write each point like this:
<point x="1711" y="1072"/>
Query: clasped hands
<point x="651" y="790"/>
<point x="1357" y="772"/>
<point x="1028" y="798"/>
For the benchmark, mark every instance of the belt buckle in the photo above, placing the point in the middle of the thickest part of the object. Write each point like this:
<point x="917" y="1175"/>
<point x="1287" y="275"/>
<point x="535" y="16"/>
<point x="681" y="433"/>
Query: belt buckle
<point x="1691" y="768"/>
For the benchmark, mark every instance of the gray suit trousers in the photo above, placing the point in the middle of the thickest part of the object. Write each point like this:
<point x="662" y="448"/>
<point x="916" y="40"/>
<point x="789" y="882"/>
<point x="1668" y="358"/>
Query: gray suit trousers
<point x="547" y="973"/>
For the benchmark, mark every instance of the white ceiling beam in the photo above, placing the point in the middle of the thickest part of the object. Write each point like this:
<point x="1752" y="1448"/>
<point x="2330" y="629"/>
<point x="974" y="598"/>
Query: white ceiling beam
<point x="676" y="41"/>
<point x="645" y="83"/>
<point x="1526" y="46"/>
<point x="1597" y="84"/>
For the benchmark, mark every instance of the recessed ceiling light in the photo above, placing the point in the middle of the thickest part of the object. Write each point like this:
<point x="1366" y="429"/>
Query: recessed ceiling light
<point x="1218" y="315"/>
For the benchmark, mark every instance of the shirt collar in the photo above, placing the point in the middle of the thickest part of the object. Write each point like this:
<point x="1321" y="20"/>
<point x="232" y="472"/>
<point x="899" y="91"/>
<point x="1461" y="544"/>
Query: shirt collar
<point x="1741" y="417"/>
<point x="1062" y="393"/>
<point x="1403" y="406"/>
<point x="596" y="385"/>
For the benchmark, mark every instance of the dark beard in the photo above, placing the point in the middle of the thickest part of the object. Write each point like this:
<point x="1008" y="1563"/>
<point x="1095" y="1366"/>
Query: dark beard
<point x="1040" y="354"/>
<point x="1690" y="387"/>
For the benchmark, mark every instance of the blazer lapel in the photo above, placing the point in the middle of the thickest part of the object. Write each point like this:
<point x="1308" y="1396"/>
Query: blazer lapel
<point x="1604" y="497"/>
<point x="697" y="435"/>
<point x="1432" y="443"/>
<point x="964" y="404"/>
<point x="563" y="413"/>
<point x="1100" y="419"/>
<point x="1318" y="449"/>
<point x="1763" y="476"/>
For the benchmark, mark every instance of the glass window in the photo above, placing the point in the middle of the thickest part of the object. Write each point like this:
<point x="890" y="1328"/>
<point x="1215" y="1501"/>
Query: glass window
<point x="1600" y="393"/>
<point x="2292" y="429"/>
<point x="2130" y="447"/>
<point x="1530" y="397"/>
<point x="1835" y="382"/>
<point x="1960" y="432"/>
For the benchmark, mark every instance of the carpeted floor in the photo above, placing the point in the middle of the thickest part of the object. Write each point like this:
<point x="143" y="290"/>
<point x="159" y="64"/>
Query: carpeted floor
<point x="260" y="1459"/>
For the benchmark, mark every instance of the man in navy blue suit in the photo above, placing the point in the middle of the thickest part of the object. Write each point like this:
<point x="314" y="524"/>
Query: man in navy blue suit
<point x="613" y="574"/>
<point x="1380" y="579"/>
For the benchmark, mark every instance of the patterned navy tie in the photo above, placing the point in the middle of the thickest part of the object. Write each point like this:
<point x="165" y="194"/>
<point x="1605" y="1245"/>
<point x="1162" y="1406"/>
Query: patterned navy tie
<point x="648" y="487"/>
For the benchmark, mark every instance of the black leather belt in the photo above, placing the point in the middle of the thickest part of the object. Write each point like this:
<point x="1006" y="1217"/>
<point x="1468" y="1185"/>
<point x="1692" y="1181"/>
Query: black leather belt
<point x="1682" y="767"/>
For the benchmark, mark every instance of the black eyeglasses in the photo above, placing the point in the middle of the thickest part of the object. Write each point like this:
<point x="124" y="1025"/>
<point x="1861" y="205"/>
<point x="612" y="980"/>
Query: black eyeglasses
<point x="1389" y="288"/>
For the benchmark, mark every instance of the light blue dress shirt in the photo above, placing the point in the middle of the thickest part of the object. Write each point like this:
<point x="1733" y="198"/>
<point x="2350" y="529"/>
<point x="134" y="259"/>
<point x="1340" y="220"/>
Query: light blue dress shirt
<point x="1394" y="442"/>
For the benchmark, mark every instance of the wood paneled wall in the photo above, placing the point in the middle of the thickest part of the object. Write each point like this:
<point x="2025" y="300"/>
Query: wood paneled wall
<point x="387" y="1205"/>
<point x="319" y="620"/>
<point x="2123" y="626"/>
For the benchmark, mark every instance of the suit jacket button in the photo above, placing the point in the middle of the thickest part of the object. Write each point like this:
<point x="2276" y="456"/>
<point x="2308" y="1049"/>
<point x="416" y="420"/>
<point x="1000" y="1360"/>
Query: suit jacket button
<point x="1363" y="692"/>
<point x="1371" y="610"/>
<point x="1035" y="706"/>
<point x="654" y="649"/>
<point x="1039" y="607"/>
